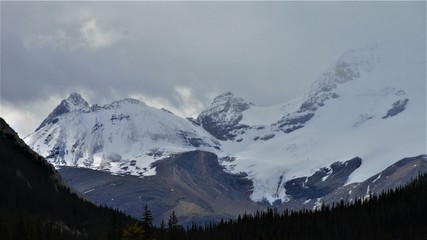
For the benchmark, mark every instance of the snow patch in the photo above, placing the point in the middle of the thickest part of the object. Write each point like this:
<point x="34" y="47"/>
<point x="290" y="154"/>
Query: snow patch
<point x="376" y="179"/>
<point x="88" y="191"/>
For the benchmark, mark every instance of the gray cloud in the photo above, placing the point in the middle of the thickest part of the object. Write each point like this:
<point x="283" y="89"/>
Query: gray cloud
<point x="181" y="54"/>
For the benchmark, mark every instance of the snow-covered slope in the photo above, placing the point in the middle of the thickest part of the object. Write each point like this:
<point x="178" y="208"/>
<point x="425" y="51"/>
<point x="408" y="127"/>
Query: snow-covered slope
<point x="123" y="137"/>
<point x="73" y="103"/>
<point x="371" y="104"/>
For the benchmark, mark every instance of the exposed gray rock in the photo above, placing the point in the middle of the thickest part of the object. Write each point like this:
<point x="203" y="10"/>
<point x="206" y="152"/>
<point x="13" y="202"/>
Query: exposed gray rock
<point x="323" y="181"/>
<point x="294" y="121"/>
<point x="73" y="102"/>
<point x="222" y="118"/>
<point x="398" y="174"/>
<point x="398" y="107"/>
<point x="267" y="137"/>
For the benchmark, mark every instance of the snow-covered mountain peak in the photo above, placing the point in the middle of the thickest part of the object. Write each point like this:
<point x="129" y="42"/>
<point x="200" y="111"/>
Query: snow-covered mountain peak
<point x="228" y="102"/>
<point x="223" y="97"/>
<point x="223" y="115"/>
<point x="125" y="102"/>
<point x="77" y="101"/>
<point x="361" y="58"/>
<point x="74" y="102"/>
<point x="370" y="104"/>
<point x="350" y="66"/>
<point x="125" y="136"/>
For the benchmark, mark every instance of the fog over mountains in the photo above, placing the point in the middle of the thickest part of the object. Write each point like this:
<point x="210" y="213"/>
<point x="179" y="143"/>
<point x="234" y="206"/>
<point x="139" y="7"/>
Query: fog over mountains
<point x="357" y="119"/>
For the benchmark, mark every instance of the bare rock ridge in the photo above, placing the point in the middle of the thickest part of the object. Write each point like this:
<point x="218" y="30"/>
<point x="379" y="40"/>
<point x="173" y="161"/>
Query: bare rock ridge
<point x="398" y="174"/>
<point x="72" y="103"/>
<point x="323" y="181"/>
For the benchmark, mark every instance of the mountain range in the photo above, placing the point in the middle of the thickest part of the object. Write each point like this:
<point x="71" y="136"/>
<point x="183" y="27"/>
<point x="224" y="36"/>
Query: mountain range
<point x="359" y="129"/>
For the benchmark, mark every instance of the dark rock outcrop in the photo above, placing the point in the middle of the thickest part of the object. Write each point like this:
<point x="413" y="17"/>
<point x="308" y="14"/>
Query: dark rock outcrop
<point x="222" y="118"/>
<point x="323" y="181"/>
<point x="396" y="175"/>
<point x="398" y="107"/>
<point x="192" y="184"/>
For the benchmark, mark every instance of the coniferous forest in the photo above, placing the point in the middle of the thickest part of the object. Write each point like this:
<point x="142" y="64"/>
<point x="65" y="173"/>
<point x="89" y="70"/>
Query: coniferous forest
<point x="396" y="214"/>
<point x="35" y="204"/>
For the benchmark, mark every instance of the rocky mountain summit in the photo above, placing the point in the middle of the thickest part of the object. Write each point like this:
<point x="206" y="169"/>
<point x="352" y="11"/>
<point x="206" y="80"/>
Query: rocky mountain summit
<point x="74" y="102"/>
<point x="222" y="118"/>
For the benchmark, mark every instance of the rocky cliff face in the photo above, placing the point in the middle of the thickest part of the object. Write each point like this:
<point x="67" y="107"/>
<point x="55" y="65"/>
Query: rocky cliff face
<point x="222" y="118"/>
<point x="192" y="184"/>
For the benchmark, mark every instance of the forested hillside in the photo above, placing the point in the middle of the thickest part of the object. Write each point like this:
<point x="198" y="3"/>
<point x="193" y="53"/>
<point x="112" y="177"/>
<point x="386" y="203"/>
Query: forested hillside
<point x="35" y="204"/>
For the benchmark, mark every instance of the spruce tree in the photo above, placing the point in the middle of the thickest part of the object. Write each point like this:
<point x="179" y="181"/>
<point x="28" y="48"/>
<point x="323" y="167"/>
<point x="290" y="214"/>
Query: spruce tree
<point x="147" y="221"/>
<point x="162" y="229"/>
<point x="173" y="222"/>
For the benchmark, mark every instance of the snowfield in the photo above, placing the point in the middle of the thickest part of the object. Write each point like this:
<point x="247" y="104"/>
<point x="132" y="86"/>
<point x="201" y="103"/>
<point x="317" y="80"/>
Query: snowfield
<point x="371" y="104"/>
<point x="350" y="125"/>
<point x="124" y="137"/>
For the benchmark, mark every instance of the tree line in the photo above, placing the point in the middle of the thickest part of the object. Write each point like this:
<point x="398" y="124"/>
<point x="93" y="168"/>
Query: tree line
<point x="395" y="214"/>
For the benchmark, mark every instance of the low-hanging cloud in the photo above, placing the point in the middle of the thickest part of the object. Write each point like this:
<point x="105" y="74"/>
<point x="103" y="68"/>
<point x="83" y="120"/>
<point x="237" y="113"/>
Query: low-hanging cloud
<point x="179" y="55"/>
<point x="95" y="36"/>
<point x="89" y="35"/>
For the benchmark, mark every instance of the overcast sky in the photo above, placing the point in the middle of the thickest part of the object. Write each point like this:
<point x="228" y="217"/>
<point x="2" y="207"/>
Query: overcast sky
<point x="180" y="55"/>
